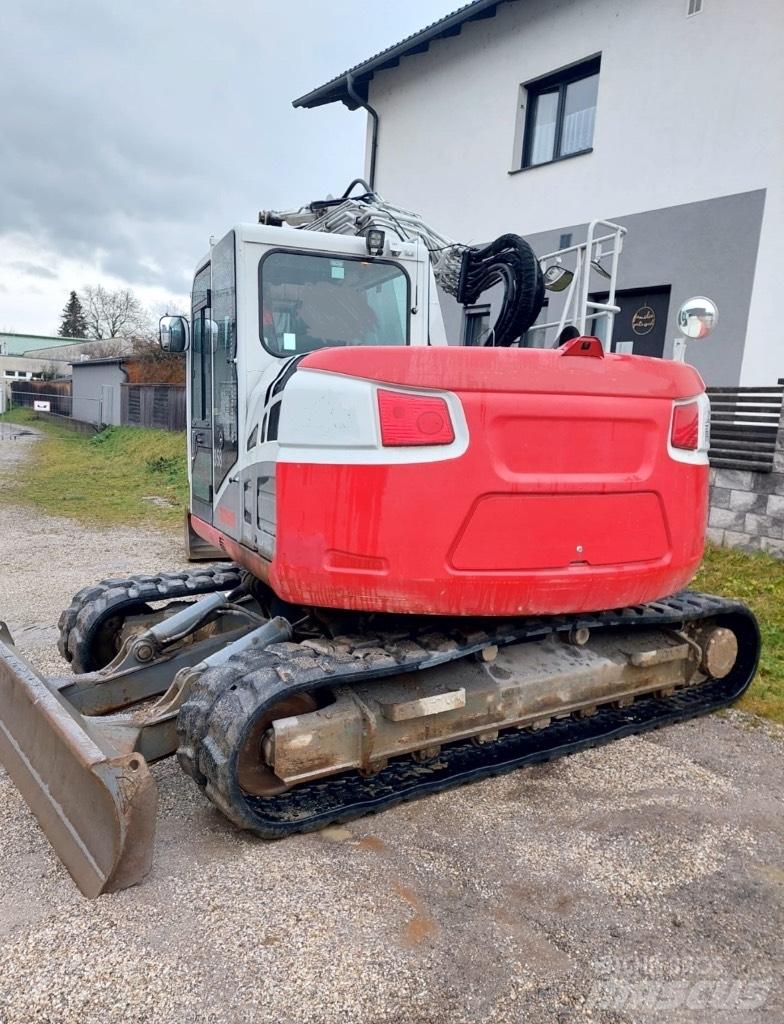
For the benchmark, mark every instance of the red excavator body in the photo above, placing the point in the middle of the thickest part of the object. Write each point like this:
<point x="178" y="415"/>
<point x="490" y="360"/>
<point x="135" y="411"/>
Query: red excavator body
<point x="545" y="481"/>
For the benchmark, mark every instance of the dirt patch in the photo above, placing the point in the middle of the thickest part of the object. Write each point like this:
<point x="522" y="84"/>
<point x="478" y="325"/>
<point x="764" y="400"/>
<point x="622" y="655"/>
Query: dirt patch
<point x="420" y="927"/>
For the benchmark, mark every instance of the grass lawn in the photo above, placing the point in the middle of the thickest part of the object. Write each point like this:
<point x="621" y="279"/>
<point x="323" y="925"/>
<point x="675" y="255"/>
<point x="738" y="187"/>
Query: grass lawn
<point x="757" y="580"/>
<point x="122" y="475"/>
<point x="111" y="477"/>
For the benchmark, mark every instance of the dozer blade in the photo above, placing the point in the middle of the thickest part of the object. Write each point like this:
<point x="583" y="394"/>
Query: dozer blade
<point x="93" y="796"/>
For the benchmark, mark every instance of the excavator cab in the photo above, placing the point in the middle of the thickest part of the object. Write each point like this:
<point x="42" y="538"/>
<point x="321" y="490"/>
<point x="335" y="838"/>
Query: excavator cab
<point x="265" y="297"/>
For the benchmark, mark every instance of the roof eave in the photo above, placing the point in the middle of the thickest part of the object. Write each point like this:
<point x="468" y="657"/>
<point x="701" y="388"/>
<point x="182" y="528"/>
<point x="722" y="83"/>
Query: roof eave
<point x="321" y="96"/>
<point x="336" y="90"/>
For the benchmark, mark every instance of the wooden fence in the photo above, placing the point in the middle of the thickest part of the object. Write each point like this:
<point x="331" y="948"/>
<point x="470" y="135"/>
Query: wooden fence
<point x="744" y="427"/>
<point x="153" y="405"/>
<point x="56" y="392"/>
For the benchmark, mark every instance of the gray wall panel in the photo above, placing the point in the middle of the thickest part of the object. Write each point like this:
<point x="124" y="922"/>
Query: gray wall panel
<point x="706" y="248"/>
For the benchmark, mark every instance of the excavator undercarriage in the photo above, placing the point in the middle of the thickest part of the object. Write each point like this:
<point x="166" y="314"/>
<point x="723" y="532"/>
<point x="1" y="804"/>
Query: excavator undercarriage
<point x="290" y="724"/>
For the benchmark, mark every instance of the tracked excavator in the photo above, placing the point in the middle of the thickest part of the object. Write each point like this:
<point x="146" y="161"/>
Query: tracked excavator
<point x="433" y="562"/>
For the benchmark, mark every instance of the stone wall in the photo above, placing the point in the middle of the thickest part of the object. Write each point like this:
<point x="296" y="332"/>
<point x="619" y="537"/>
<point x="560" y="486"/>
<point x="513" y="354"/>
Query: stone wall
<point x="747" y="508"/>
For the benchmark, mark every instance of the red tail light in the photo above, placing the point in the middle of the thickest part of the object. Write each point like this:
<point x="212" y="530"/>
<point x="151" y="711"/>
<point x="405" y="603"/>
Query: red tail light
<point x="685" y="431"/>
<point x="413" y="419"/>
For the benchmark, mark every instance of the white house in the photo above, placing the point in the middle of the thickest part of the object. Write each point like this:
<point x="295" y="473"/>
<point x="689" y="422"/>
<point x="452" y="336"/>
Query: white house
<point x="666" y="116"/>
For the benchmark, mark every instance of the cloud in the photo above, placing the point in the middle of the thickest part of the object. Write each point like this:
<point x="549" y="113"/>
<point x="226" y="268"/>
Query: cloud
<point x="24" y="267"/>
<point x="132" y="132"/>
<point x="34" y="278"/>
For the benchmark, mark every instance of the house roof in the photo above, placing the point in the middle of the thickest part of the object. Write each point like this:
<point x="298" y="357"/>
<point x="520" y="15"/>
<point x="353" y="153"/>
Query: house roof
<point x="101" y="361"/>
<point x="16" y="344"/>
<point x="337" y="89"/>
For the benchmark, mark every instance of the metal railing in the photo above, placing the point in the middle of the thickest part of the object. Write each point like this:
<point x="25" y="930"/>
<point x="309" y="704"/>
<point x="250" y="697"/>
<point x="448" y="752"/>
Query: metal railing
<point x="604" y="239"/>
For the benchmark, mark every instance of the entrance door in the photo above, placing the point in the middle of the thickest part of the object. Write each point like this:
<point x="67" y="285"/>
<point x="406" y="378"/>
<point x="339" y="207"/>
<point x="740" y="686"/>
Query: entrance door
<point x="223" y="303"/>
<point x="641" y="326"/>
<point x="201" y="398"/>
<point x="107" y="404"/>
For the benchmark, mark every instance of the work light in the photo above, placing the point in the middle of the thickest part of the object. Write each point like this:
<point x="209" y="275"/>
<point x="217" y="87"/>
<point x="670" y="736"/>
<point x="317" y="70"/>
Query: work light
<point x="374" y="239"/>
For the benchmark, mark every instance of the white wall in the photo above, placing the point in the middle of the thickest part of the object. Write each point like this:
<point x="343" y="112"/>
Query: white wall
<point x="688" y="109"/>
<point x="27" y="365"/>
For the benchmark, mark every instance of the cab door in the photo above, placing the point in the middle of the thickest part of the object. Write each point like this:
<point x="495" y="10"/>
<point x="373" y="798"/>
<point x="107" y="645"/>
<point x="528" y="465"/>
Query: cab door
<point x="201" y="398"/>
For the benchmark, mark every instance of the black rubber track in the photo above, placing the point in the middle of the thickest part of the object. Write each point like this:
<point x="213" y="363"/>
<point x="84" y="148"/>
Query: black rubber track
<point x="92" y="609"/>
<point x="226" y="700"/>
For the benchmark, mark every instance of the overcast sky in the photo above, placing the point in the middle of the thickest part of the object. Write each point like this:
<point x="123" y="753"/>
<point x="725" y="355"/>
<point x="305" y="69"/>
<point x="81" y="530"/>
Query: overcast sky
<point x="132" y="131"/>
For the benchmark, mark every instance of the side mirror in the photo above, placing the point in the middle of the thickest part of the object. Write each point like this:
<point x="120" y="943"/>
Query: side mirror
<point x="173" y="335"/>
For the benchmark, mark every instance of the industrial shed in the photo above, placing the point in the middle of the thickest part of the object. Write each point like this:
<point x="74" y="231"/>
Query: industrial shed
<point x="96" y="390"/>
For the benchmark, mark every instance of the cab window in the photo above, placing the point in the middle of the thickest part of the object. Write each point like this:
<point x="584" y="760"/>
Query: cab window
<point x="311" y="301"/>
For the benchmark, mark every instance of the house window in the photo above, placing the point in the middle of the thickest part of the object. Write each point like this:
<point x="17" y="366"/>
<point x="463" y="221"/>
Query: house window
<point x="693" y="7"/>
<point x="560" y="114"/>
<point x="476" y="325"/>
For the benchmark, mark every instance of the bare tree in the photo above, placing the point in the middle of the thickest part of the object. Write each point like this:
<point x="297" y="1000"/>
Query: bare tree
<point x="110" y="348"/>
<point x="154" y="366"/>
<point x="172" y="307"/>
<point x="115" y="314"/>
<point x="52" y="372"/>
<point x="151" y="365"/>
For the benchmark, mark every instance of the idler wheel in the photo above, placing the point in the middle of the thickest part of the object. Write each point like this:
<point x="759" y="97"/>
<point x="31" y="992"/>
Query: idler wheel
<point x="254" y="774"/>
<point x="719" y="651"/>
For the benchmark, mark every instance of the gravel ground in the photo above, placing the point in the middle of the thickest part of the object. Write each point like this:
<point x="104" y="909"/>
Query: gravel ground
<point x="642" y="881"/>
